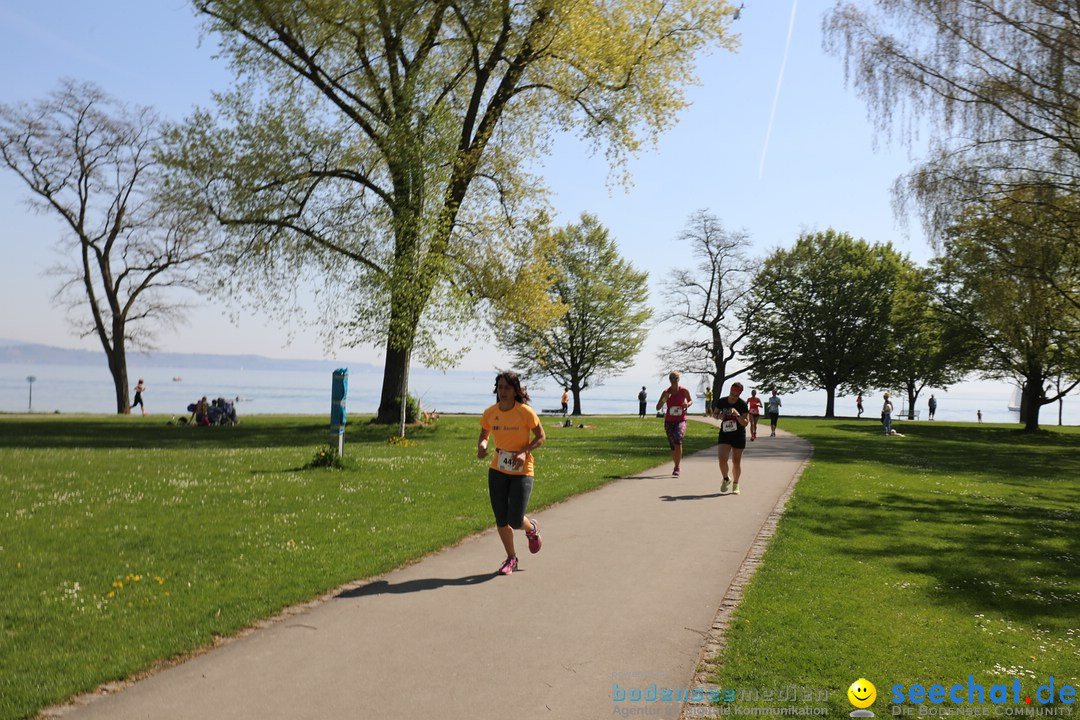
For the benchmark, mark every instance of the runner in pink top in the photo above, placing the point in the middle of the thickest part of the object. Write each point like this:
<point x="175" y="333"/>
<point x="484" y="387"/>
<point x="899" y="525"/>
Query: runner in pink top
<point x="678" y="399"/>
<point x="755" y="410"/>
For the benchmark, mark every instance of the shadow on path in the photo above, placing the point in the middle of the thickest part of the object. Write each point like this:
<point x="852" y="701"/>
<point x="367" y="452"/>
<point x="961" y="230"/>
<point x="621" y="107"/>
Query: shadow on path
<point x="382" y="587"/>
<point x="673" y="498"/>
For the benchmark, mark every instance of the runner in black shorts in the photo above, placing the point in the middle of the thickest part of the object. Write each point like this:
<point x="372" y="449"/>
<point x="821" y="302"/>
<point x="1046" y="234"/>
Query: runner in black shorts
<point x="734" y="416"/>
<point x="517" y="432"/>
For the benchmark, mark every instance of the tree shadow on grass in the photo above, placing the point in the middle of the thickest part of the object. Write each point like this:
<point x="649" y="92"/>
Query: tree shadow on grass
<point x="1003" y="453"/>
<point x="132" y="433"/>
<point x="382" y="587"/>
<point x="985" y="553"/>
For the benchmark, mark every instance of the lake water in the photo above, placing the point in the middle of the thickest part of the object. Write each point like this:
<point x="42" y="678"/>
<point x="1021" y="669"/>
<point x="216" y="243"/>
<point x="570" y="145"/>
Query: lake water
<point x="81" y="389"/>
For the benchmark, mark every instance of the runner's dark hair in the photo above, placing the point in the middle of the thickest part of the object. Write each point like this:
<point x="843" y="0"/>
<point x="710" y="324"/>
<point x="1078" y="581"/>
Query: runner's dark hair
<point x="513" y="380"/>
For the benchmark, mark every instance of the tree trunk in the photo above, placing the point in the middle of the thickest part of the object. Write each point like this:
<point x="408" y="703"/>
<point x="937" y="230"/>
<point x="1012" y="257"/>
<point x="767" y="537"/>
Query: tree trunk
<point x="408" y="295"/>
<point x="576" y="392"/>
<point x="117" y="358"/>
<point x="721" y="366"/>
<point x="393" y="375"/>
<point x="912" y="398"/>
<point x="1030" y="403"/>
<point x="399" y="341"/>
<point x="830" y="401"/>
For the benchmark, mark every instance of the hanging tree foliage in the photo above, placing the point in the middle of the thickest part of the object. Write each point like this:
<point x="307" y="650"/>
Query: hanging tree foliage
<point x="997" y="81"/>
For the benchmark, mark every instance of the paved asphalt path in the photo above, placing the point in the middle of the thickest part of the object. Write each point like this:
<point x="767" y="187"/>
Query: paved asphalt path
<point x="621" y="596"/>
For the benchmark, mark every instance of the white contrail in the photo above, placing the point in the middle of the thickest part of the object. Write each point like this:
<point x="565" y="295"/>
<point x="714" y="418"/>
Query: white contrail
<point x="776" y="97"/>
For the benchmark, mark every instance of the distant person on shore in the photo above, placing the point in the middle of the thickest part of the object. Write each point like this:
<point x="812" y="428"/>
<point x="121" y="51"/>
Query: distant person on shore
<point x="678" y="400"/>
<point x="858" y="405"/>
<point x="202" y="412"/>
<point x="734" y="416"/>
<point x="931" y="406"/>
<point x="138" y="402"/>
<point x="774" y="411"/>
<point x="510" y="477"/>
<point x="642" y="398"/>
<point x="565" y="400"/>
<point x="978" y="414"/>
<point x="886" y="415"/>
<point x="754" y="404"/>
<point x="708" y="401"/>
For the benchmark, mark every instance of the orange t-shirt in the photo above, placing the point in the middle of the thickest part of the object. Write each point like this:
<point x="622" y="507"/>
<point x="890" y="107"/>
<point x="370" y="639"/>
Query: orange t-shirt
<point x="511" y="430"/>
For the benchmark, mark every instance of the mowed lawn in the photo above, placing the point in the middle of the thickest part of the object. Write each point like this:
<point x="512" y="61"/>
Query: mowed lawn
<point x="952" y="551"/>
<point x="124" y="540"/>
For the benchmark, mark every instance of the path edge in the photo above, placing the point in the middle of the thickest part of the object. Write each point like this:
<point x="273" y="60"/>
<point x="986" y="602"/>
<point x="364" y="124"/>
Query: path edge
<point x="716" y="635"/>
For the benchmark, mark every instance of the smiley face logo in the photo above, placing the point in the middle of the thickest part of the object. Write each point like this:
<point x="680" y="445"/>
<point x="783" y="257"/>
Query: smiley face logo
<point x="862" y="693"/>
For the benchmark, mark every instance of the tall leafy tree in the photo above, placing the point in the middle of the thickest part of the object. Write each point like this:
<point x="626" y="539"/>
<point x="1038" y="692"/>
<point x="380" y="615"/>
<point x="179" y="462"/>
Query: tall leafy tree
<point x="383" y="147"/>
<point x="926" y="349"/>
<point x="827" y="323"/>
<point x="606" y="313"/>
<point x="88" y="159"/>
<point x="1027" y="332"/>
<point x="711" y="302"/>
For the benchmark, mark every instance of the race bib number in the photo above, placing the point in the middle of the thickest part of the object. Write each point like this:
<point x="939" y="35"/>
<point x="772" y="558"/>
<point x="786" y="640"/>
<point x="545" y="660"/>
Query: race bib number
<point x="729" y="426"/>
<point x="675" y="411"/>
<point x="506" y="461"/>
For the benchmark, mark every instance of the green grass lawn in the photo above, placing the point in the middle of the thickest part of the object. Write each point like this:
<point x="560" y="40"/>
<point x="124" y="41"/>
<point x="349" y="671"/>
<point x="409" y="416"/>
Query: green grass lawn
<point x="950" y="552"/>
<point x="124" y="541"/>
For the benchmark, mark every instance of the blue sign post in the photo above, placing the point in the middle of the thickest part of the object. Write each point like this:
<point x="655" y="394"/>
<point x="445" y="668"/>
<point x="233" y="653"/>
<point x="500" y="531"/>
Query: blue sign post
<point x="338" y="390"/>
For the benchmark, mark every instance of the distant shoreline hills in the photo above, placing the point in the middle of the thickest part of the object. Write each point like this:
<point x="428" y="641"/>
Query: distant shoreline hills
<point x="23" y="353"/>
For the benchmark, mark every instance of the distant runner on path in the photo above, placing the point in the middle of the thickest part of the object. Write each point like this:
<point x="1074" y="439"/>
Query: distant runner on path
<point x="138" y="401"/>
<point x="678" y="399"/>
<point x="774" y="411"/>
<point x="510" y="477"/>
<point x="754" y="403"/>
<point x="734" y="415"/>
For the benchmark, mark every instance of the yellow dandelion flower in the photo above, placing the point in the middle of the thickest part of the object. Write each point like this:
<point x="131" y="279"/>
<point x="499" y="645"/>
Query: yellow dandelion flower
<point x="159" y="580"/>
<point x="112" y="594"/>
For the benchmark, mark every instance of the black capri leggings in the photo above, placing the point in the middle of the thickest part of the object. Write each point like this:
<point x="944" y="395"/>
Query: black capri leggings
<point x="509" y="497"/>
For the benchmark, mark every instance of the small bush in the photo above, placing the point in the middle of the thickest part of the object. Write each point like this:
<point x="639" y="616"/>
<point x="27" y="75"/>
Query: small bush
<point x="413" y="412"/>
<point x="325" y="457"/>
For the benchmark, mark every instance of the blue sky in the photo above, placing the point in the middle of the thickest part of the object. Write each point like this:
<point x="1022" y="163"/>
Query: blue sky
<point x="820" y="168"/>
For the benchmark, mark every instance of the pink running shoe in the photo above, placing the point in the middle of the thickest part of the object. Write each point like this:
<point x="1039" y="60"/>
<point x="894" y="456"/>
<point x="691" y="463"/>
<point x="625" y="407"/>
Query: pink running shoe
<point x="509" y="565"/>
<point x="676" y="472"/>
<point x="534" y="538"/>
